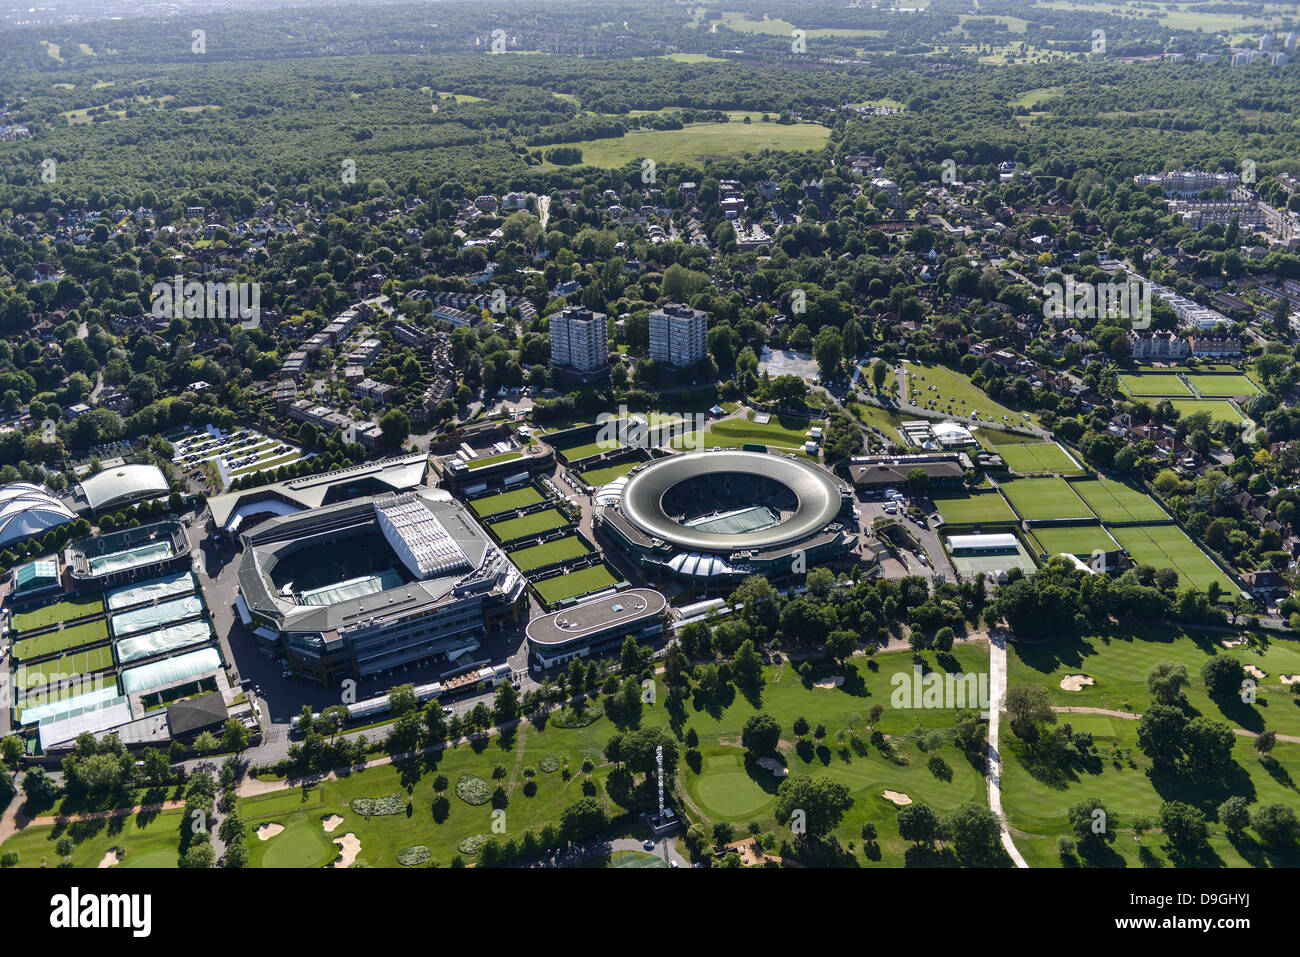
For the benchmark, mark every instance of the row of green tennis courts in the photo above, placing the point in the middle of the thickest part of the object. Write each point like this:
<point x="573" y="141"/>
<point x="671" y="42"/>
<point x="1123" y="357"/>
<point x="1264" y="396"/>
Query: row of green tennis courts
<point x="1048" y="498"/>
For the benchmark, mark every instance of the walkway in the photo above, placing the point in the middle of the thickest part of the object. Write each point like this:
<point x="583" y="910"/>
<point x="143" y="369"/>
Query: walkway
<point x="1134" y="716"/>
<point x="997" y="695"/>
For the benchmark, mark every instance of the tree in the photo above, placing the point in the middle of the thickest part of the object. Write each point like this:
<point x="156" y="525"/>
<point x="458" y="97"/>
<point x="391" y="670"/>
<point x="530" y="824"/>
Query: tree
<point x="748" y="666"/>
<point x="1160" y="734"/>
<point x="840" y="644"/>
<point x="919" y="824"/>
<point x="1223" y="676"/>
<point x="505" y="707"/>
<point x="1234" y="814"/>
<point x="822" y="801"/>
<point x="944" y="639"/>
<point x="918" y="481"/>
<point x="761" y="733"/>
<point x="234" y="736"/>
<point x="1265" y="741"/>
<point x="206" y="743"/>
<point x="395" y="427"/>
<point x="879" y="372"/>
<point x="801" y="726"/>
<point x="199" y="856"/>
<point x="1184" y="826"/>
<point x="1093" y="824"/>
<point x="630" y="661"/>
<point x="582" y="819"/>
<point x="1028" y="707"/>
<point x="1207" y="745"/>
<point x="1276" y="825"/>
<point x="401" y="699"/>
<point x="976" y="834"/>
<point x="1166" y="681"/>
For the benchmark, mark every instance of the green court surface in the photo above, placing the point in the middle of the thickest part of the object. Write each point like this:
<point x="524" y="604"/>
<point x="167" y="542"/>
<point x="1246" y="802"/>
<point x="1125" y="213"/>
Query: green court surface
<point x="582" y="582"/>
<point x="46" y="615"/>
<point x="1221" y="385"/>
<point x="636" y="859"/>
<point x="1221" y="410"/>
<point x="1080" y="540"/>
<point x="575" y="453"/>
<point x="1167" y="546"/>
<point x="506" y="501"/>
<point x="533" y="524"/>
<point x="981" y="508"/>
<point x="69" y="666"/>
<point x="1117" y="502"/>
<point x="1029" y="458"/>
<point x="783" y="432"/>
<point x="548" y="553"/>
<point x="1043" y="499"/>
<point x="86" y="633"/>
<point x="487" y="460"/>
<point x="1154" y="384"/>
<point x="599" y="477"/>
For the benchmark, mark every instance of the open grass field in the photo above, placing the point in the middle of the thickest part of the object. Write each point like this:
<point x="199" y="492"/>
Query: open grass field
<point x="1167" y="546"/>
<point x="946" y="392"/>
<point x="548" y="553"/>
<point x="78" y="663"/>
<point x="47" y="615"/>
<point x="150" y="840"/>
<point x="1042" y="499"/>
<point x="533" y="524"/>
<point x="1080" y="540"/>
<point x="1036" y="458"/>
<point x="599" y="477"/>
<point x="1221" y="385"/>
<point x="582" y="582"/>
<point x="86" y="633"/>
<point x="1154" y="383"/>
<point x="1116" y="502"/>
<point x="506" y="501"/>
<point x="1221" y="410"/>
<point x="698" y="142"/>
<point x="882" y="419"/>
<point x="784" y="432"/>
<point x="981" y="508"/>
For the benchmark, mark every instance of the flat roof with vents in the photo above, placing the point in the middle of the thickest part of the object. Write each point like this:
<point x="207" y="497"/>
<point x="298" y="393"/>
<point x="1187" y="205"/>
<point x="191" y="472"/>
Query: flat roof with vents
<point x="419" y="539"/>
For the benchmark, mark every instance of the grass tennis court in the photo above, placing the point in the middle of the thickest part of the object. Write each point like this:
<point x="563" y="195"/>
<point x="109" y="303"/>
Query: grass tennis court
<point x="86" y="633"/>
<point x="1116" y="502"/>
<point x="486" y="460"/>
<point x="1028" y="458"/>
<point x="599" y="477"/>
<point x="636" y="859"/>
<point x="548" y="553"/>
<point x="46" y="615"/>
<point x="981" y="508"/>
<point x="1042" y="499"/>
<point x="1221" y="410"/>
<point x="1081" y="540"/>
<point x="575" y="453"/>
<point x="533" y="524"/>
<point x="1221" y="385"/>
<point x="1154" y="384"/>
<point x="582" y="582"/>
<point x="783" y="432"/>
<point x="78" y="663"/>
<point x="506" y="501"/>
<point x="1167" y="546"/>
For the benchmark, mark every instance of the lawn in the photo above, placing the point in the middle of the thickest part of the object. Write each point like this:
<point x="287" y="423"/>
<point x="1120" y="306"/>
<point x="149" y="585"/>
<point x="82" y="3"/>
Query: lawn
<point x="486" y="460"/>
<point x="1219" y="385"/>
<point x="1221" y="410"/>
<point x="1043" y="499"/>
<point x="533" y="524"/>
<point x="981" y="508"/>
<point x="882" y="419"/>
<point x="576" y="453"/>
<point x="699" y="142"/>
<point x="783" y="432"/>
<point x="79" y="663"/>
<point x="548" y="553"/>
<point x="150" y="840"/>
<point x="944" y="391"/>
<point x="505" y="501"/>
<point x="1142" y="384"/>
<point x="1080" y="540"/>
<point x="1029" y="458"/>
<point x="86" y="633"/>
<point x="1117" y="502"/>
<point x="599" y="477"/>
<point x="571" y="585"/>
<point x="1167" y="546"/>
<point x="46" y="615"/>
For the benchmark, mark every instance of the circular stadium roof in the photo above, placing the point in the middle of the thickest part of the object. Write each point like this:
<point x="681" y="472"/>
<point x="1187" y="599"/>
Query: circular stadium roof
<point x="27" y="510"/>
<point x="816" y="495"/>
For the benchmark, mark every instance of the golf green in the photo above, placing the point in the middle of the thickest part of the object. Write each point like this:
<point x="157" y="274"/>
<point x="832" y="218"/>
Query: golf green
<point x="301" y="844"/>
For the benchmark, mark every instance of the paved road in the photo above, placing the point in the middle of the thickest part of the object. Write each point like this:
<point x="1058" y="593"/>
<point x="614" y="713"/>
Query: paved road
<point x="1134" y="716"/>
<point x="997" y="695"/>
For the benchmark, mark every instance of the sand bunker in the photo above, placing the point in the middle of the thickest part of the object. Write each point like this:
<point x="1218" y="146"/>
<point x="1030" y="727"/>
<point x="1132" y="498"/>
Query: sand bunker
<point x="1076" y="682"/>
<point x="898" y="797"/>
<point x="1289" y="679"/>
<point x="773" y="765"/>
<point x="349" y="847"/>
<point x="1256" y="673"/>
<point x="331" y="822"/>
<point x="268" y="831"/>
<point x="109" y="859"/>
<point x="1235" y="642"/>
<point x="834" y="681"/>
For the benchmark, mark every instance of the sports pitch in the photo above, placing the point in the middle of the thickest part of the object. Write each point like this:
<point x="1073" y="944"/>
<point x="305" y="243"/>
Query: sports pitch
<point x="1167" y="546"/>
<point x="599" y="477"/>
<point x="549" y="553"/>
<point x="1142" y="384"/>
<point x="533" y="524"/>
<point x="1037" y="457"/>
<point x="1044" y="499"/>
<point x="981" y="508"/>
<point x="576" y="453"/>
<point x="582" y="582"/>
<point x="1116" y="502"/>
<point x="1221" y="410"/>
<point x="1221" y="385"/>
<point x="78" y="663"/>
<point x="86" y="633"/>
<point x="506" y="501"/>
<point x="66" y="610"/>
<point x="1081" y="540"/>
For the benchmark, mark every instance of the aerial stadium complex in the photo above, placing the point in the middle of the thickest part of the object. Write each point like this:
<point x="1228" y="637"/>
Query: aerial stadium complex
<point x="714" y="517"/>
<point x="365" y="586"/>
